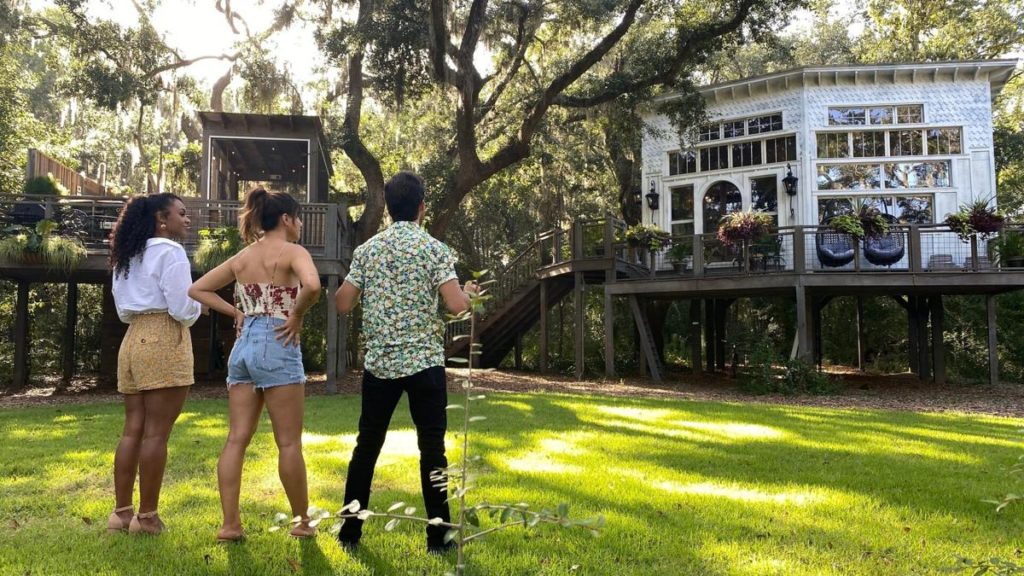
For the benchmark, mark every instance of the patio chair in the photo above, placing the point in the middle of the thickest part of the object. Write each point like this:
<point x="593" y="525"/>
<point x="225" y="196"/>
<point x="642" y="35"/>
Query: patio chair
<point x="887" y="249"/>
<point x="835" y="249"/>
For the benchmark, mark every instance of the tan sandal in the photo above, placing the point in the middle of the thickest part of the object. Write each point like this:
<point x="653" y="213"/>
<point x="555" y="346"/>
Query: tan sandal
<point x="136" y="527"/>
<point x="114" y="522"/>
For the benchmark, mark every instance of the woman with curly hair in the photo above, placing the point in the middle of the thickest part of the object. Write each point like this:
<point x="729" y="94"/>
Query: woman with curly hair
<point x="275" y="284"/>
<point x="154" y="365"/>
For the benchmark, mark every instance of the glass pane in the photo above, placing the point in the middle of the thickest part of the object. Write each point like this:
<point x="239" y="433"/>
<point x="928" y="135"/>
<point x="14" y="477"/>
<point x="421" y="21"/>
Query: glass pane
<point x="829" y="207"/>
<point x="914" y="209"/>
<point x="912" y="114"/>
<point x="846" y="116"/>
<point x="906" y="143"/>
<point x="776" y="122"/>
<point x="733" y="129"/>
<point x="682" y="202"/>
<point x="917" y="175"/>
<point x="869" y="144"/>
<point x="943" y="141"/>
<point x="764" y="194"/>
<point x="721" y="199"/>
<point x="833" y="145"/>
<point x="881" y="115"/>
<point x="682" y="228"/>
<point x="673" y="163"/>
<point x="710" y="132"/>
<point x="849" y="177"/>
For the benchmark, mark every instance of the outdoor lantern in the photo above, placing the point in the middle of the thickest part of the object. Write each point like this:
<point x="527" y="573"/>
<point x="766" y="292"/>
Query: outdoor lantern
<point x="652" y="197"/>
<point x="790" y="181"/>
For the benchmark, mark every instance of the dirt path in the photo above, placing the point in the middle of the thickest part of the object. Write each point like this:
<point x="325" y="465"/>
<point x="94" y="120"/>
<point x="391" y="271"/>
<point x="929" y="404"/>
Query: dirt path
<point x="899" y="392"/>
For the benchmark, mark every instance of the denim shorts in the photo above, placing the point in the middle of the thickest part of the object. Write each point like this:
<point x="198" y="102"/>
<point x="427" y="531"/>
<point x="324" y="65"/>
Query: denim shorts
<point x="260" y="359"/>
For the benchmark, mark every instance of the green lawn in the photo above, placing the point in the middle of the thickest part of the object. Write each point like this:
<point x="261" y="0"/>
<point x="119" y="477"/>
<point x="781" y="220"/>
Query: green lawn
<point x="686" y="487"/>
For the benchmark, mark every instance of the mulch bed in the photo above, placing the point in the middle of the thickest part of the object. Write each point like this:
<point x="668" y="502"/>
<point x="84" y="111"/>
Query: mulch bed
<point x="884" y="392"/>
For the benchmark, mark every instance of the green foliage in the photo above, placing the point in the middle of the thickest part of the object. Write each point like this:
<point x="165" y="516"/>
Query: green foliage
<point x="45" y="186"/>
<point x="39" y="244"/>
<point x="847" y="224"/>
<point x="743" y="226"/>
<point x="1009" y="245"/>
<point x="649" y="237"/>
<point x="794" y="376"/>
<point x="978" y="218"/>
<point x="216" y="246"/>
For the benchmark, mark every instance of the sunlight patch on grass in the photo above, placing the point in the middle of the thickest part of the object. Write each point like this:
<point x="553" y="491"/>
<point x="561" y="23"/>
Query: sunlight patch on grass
<point x="514" y="404"/>
<point x="737" y="493"/>
<point x="868" y="444"/>
<point x="643" y="414"/>
<point x="541" y="465"/>
<point x="731" y="429"/>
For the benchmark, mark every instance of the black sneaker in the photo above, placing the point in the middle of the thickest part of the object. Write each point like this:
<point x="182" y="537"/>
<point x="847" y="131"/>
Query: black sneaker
<point x="440" y="549"/>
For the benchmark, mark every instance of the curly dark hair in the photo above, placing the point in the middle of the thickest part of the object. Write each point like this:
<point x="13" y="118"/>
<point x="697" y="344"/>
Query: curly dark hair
<point x="135" y="225"/>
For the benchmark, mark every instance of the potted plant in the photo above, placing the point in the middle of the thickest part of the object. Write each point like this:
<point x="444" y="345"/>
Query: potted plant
<point x="1009" y="249"/>
<point x="740" y="227"/>
<point x="33" y="245"/>
<point x="978" y="218"/>
<point x="680" y="254"/>
<point x="649" y="238"/>
<point x="216" y="245"/>
<point x="867" y="222"/>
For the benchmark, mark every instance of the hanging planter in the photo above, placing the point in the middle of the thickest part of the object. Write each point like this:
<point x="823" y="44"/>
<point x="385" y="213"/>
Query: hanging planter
<point x="739" y="227"/>
<point x="649" y="238"/>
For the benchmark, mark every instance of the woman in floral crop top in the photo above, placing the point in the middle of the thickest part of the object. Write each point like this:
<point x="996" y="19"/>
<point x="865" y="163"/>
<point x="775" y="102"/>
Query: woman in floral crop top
<point x="275" y="284"/>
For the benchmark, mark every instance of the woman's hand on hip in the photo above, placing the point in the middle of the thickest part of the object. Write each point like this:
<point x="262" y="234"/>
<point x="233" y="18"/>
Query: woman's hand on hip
<point x="291" y="330"/>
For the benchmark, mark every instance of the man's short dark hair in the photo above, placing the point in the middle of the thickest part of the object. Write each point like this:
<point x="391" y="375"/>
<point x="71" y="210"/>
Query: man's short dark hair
<point x="403" y="195"/>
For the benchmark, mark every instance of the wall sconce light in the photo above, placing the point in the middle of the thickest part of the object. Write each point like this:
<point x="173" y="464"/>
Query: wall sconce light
<point x="790" y="181"/>
<point x="652" y="197"/>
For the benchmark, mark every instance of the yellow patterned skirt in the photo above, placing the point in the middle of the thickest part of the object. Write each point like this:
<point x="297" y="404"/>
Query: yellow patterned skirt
<point x="155" y="353"/>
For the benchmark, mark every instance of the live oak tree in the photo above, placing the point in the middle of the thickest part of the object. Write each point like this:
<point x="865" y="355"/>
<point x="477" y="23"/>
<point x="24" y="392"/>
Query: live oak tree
<point x="545" y="56"/>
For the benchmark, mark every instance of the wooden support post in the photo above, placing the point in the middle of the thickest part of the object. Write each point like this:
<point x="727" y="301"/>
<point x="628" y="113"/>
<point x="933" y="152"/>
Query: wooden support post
<point x="804" y="324"/>
<point x="580" y="290"/>
<point x="860" y="333"/>
<point x="609" y="332"/>
<point x="21" y="337"/>
<point x="543" y="345"/>
<point x="709" y="334"/>
<point x="913" y="340"/>
<point x="721" y="307"/>
<point x="333" y="350"/>
<point x="695" y="335"/>
<point x="818" y="306"/>
<point x="938" y="342"/>
<point x="70" y="328"/>
<point x="993" y="348"/>
<point x="924" y="362"/>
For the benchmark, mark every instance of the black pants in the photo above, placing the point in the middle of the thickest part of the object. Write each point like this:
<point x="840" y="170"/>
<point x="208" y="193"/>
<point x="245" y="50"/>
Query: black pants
<point x="428" y="397"/>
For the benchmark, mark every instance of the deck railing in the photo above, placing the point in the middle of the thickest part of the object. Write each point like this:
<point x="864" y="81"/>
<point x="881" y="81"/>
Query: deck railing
<point x="926" y="248"/>
<point x="93" y="217"/>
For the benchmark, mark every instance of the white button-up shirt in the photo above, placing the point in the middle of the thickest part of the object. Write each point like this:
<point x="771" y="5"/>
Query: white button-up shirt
<point x="158" y="281"/>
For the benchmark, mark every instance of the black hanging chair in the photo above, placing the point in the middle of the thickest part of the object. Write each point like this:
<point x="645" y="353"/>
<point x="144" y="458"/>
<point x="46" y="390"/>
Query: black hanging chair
<point x="835" y="249"/>
<point x="887" y="249"/>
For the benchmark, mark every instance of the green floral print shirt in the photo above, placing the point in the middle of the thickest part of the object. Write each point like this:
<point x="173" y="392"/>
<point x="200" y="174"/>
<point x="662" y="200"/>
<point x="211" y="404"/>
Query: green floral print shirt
<point x="399" y="272"/>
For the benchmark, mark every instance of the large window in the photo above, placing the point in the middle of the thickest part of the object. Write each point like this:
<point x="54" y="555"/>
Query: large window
<point x="762" y="124"/>
<point x="849" y="176"/>
<point x="682" y="210"/>
<point x="917" y="175"/>
<point x="764" y="196"/>
<point x="710" y="132"/>
<point x="875" y="115"/>
<point x="875" y="144"/>
<point x="905" y="209"/>
<point x="721" y="199"/>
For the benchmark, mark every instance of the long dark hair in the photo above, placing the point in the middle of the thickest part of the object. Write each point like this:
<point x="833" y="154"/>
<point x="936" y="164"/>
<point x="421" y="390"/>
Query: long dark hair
<point x="262" y="212"/>
<point x="135" y="225"/>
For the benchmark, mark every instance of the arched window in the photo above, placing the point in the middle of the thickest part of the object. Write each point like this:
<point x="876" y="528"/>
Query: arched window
<point x="721" y="199"/>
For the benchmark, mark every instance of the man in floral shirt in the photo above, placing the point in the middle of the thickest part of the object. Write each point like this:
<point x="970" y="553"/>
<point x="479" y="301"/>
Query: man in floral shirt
<point x="399" y="274"/>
